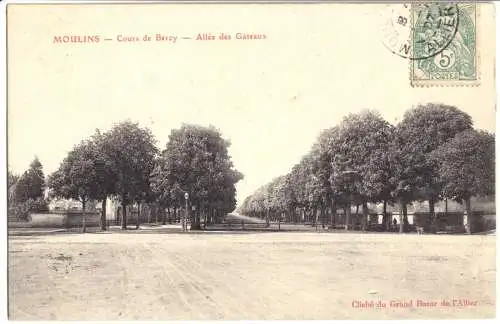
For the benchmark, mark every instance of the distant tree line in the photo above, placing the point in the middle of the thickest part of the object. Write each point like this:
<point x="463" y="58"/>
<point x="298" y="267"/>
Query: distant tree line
<point x="432" y="154"/>
<point x="125" y="164"/>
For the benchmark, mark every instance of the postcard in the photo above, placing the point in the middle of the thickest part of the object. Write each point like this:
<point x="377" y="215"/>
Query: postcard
<point x="251" y="161"/>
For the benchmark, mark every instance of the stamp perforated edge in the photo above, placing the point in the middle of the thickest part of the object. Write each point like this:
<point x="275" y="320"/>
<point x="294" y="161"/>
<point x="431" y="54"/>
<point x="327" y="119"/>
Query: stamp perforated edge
<point x="451" y="83"/>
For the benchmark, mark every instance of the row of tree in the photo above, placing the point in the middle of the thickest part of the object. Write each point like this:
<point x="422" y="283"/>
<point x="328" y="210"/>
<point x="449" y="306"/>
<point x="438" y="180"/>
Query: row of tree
<point x="125" y="164"/>
<point x="432" y="154"/>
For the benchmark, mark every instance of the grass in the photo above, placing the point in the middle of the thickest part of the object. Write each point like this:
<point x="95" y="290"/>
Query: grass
<point x="168" y="276"/>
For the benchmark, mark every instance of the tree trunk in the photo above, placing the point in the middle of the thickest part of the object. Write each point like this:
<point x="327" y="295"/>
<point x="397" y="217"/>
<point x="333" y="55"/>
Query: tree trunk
<point x="169" y="215"/>
<point x="323" y="215"/>
<point x="103" y="214"/>
<point x="365" y="215"/>
<point x="334" y="214"/>
<point x="138" y="224"/>
<point x="316" y="217"/>
<point x="385" y="218"/>
<point x="198" y="217"/>
<point x="347" y="216"/>
<point x="267" y="217"/>
<point x="468" y="209"/>
<point x="183" y="215"/>
<point x="124" y="216"/>
<point x="313" y="215"/>
<point x="187" y="215"/>
<point x="402" y="215"/>
<point x="432" y="204"/>
<point x="163" y="214"/>
<point x="84" y="221"/>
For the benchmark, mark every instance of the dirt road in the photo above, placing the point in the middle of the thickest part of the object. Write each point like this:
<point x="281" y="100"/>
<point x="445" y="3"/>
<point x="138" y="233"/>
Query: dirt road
<point x="125" y="276"/>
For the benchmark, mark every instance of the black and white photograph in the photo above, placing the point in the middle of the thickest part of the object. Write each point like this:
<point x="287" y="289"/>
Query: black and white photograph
<point x="250" y="161"/>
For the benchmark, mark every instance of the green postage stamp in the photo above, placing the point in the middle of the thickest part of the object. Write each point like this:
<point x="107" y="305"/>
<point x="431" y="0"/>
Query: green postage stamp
<point x="444" y="43"/>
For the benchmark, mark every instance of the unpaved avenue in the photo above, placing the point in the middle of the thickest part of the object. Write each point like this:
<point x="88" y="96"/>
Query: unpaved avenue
<point x="246" y="276"/>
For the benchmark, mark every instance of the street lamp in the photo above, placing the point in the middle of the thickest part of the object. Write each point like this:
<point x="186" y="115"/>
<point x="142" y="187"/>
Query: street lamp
<point x="184" y="223"/>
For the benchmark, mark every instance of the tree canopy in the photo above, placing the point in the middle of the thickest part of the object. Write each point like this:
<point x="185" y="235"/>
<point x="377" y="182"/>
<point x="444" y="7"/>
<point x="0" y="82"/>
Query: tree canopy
<point x="129" y="153"/>
<point x="466" y="165"/>
<point x="31" y="184"/>
<point x="422" y="130"/>
<point x="196" y="161"/>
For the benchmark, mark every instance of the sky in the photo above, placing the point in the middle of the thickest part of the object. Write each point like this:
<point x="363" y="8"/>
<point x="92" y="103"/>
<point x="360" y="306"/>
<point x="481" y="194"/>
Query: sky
<point x="270" y="97"/>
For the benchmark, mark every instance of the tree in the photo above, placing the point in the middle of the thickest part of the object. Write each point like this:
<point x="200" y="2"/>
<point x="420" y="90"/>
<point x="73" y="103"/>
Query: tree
<point x="314" y="184"/>
<point x="276" y="197"/>
<point x="196" y="161"/>
<point x="26" y="192"/>
<point x="31" y="184"/>
<point x="255" y="204"/>
<point x="166" y="191"/>
<point x="422" y="130"/>
<point x="144" y="195"/>
<point x="295" y="191"/>
<point x="12" y="180"/>
<point x="78" y="177"/>
<point x="466" y="167"/>
<point x="37" y="179"/>
<point x="130" y="152"/>
<point x="106" y="176"/>
<point x="322" y="155"/>
<point x="360" y="156"/>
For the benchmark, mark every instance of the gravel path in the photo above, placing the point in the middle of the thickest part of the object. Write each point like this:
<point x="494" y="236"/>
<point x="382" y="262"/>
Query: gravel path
<point x="126" y="276"/>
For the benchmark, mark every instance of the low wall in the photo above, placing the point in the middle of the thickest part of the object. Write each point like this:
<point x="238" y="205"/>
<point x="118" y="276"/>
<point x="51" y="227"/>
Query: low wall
<point x="75" y="220"/>
<point x="47" y="220"/>
<point x="58" y="220"/>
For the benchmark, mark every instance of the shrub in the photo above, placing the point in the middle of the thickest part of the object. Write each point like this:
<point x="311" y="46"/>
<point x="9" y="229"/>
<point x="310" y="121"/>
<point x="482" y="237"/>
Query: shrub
<point x="483" y="223"/>
<point x="23" y="209"/>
